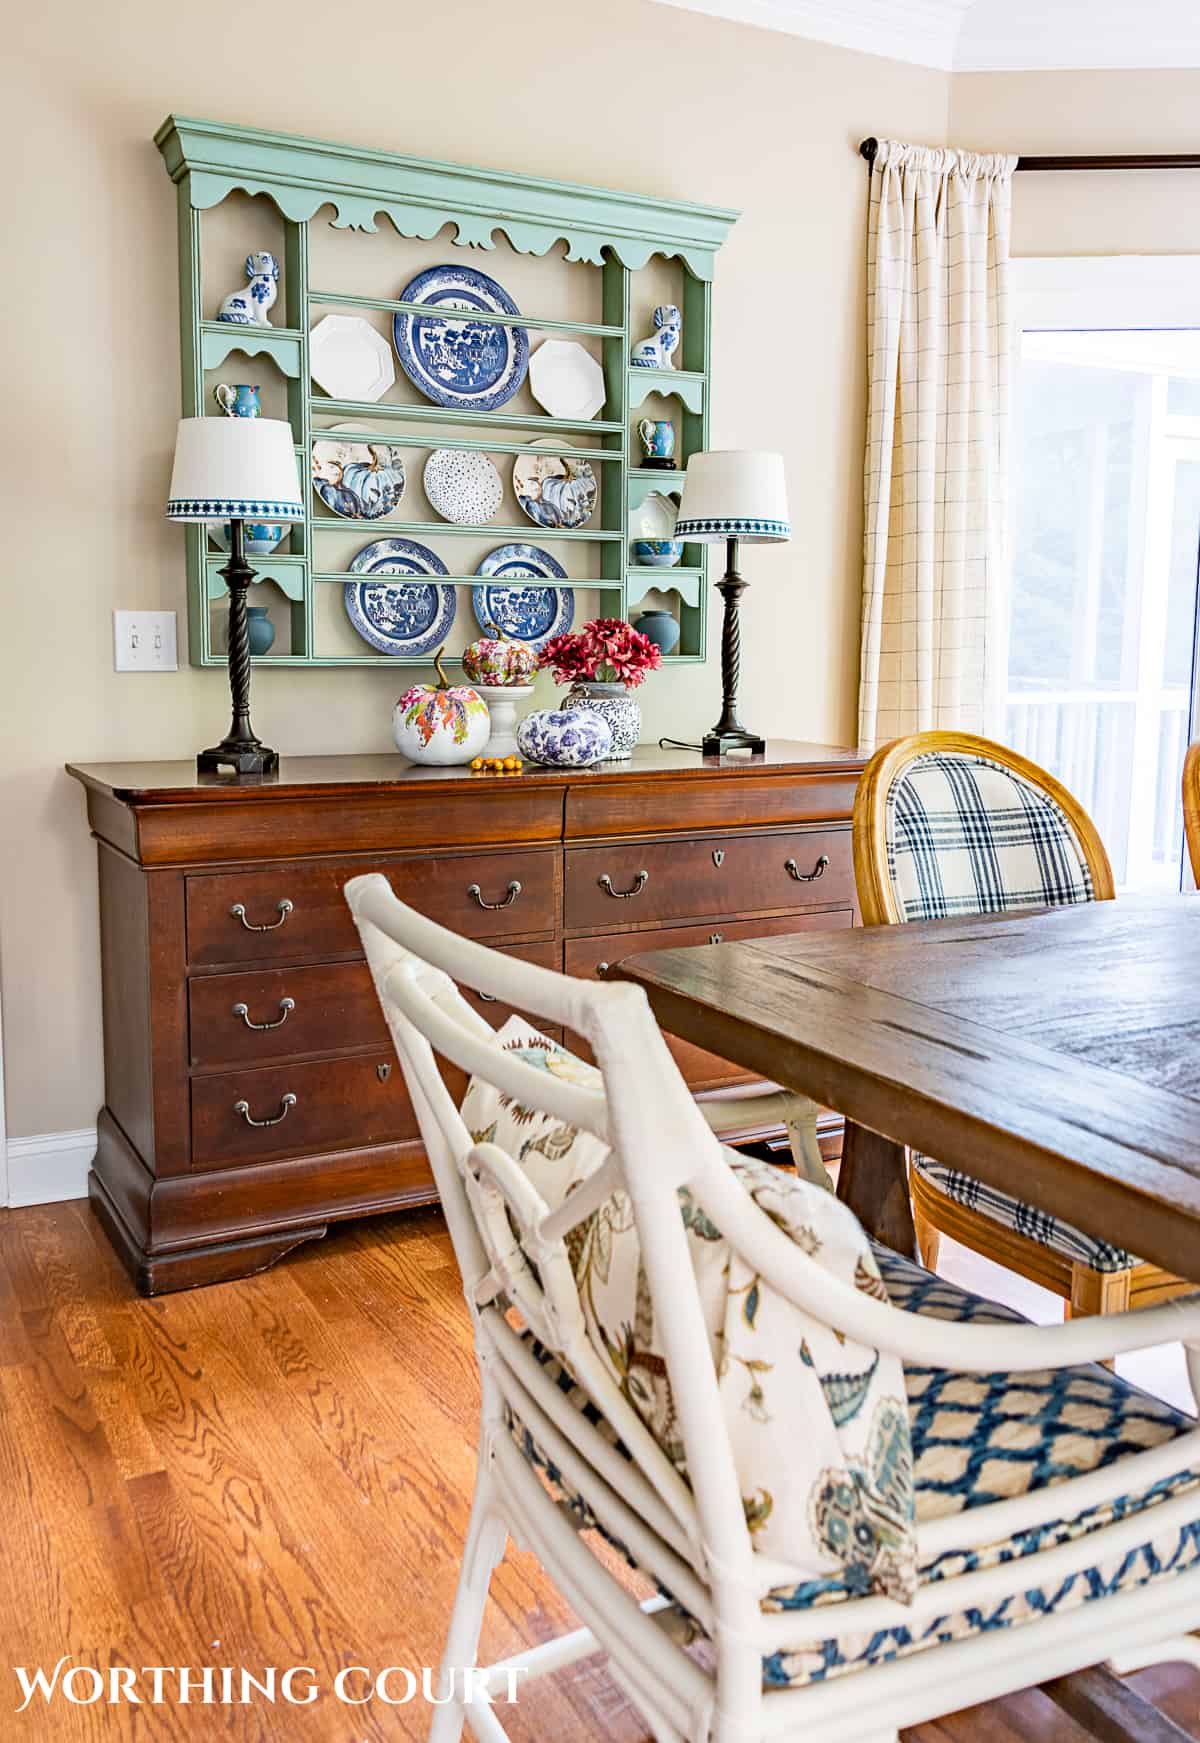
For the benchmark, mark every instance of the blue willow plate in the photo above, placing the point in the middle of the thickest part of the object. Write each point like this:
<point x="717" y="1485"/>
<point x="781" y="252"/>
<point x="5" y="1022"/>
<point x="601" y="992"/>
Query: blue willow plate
<point x="406" y="619"/>
<point x="524" y="614"/>
<point x="475" y="365"/>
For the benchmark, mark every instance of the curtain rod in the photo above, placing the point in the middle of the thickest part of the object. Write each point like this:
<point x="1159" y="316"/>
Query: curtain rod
<point x="1157" y="160"/>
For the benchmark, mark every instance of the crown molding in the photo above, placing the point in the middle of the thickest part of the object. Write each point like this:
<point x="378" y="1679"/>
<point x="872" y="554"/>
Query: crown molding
<point x="919" y="32"/>
<point x="969" y="36"/>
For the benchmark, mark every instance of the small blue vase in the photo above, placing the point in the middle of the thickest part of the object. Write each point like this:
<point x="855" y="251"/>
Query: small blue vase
<point x="660" y="627"/>
<point x="260" y="628"/>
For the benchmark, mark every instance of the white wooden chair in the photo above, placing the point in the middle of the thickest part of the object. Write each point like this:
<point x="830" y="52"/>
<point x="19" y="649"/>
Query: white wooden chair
<point x="1067" y="1555"/>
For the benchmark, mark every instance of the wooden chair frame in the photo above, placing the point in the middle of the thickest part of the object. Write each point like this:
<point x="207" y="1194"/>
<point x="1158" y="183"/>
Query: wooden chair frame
<point x="694" y="1539"/>
<point x="1191" y="807"/>
<point x="1084" y="1289"/>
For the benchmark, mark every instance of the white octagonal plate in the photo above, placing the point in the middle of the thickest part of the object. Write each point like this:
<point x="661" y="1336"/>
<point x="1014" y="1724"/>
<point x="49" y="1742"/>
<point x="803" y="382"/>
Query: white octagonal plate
<point x="349" y="359"/>
<point x="566" y="380"/>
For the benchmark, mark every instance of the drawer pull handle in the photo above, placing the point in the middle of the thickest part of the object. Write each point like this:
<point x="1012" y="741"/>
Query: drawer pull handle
<point x="789" y="866"/>
<point x="488" y="998"/>
<point x="243" y="1107"/>
<point x="239" y="913"/>
<point x="476" y="895"/>
<point x="714" y="938"/>
<point x="602" y="968"/>
<point x="641" y="879"/>
<point x="286" y="1007"/>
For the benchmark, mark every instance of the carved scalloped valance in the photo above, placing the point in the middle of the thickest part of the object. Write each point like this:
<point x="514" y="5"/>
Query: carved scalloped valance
<point x="420" y="196"/>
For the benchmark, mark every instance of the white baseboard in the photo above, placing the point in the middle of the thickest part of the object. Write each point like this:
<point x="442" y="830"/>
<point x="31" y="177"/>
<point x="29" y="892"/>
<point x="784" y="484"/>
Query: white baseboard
<point x="50" y="1167"/>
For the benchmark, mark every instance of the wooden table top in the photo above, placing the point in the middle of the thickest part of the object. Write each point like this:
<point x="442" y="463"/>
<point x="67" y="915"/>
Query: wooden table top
<point x="166" y="783"/>
<point x="1051" y="1054"/>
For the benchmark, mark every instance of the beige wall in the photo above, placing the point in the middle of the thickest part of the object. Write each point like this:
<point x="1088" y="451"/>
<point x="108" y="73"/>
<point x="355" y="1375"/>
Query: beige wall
<point x="1102" y="114"/>
<point x="740" y="117"/>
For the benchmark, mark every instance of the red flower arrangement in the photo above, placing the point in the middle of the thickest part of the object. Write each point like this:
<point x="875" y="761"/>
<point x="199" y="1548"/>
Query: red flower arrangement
<point x="605" y="651"/>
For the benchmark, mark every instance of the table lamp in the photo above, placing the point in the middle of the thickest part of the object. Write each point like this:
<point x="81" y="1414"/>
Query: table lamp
<point x="236" y="469"/>
<point x="733" y="495"/>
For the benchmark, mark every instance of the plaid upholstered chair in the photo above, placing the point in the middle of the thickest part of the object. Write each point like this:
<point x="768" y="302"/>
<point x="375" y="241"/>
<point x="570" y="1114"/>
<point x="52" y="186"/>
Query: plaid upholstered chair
<point x="1191" y="807"/>
<point x="945" y="825"/>
<point x="785" y="1479"/>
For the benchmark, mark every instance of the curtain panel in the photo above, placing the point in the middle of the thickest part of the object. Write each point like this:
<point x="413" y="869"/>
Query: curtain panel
<point x="934" y="592"/>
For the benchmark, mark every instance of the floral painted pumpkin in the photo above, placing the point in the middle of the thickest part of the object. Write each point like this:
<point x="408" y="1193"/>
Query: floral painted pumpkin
<point x="440" y="723"/>
<point x="496" y="659"/>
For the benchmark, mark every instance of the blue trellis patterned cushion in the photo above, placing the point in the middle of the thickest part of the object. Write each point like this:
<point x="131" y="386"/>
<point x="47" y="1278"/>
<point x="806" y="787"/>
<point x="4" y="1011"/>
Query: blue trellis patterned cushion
<point x="965" y="835"/>
<point x="976" y="1438"/>
<point x="1026" y="1219"/>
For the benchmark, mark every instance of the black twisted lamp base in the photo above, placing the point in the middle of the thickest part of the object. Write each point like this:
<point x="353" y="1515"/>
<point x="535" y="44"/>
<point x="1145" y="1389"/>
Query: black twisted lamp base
<point x="239" y="750"/>
<point x="729" y="733"/>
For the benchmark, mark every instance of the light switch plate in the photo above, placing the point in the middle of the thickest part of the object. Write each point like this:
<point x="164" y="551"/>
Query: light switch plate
<point x="144" y="641"/>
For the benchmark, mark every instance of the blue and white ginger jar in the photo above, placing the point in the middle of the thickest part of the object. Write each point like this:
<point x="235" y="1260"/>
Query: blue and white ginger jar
<point x="564" y="738"/>
<point x="616" y="707"/>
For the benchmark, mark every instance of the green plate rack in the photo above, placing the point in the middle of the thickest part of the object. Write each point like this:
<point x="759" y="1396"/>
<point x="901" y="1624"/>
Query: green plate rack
<point x="616" y="233"/>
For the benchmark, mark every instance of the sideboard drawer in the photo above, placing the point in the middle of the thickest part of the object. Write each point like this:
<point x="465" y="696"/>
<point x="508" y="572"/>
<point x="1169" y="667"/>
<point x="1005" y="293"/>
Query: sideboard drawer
<point x="591" y="957"/>
<point x="279" y="1013"/>
<point x="339" y="1104"/>
<point x="298" y="910"/>
<point x="240" y="1019"/>
<point x="727" y="874"/>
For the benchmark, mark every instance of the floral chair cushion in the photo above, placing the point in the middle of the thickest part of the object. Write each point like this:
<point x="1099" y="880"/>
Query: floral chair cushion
<point x="817" y="1424"/>
<point x="976" y="1438"/>
<point x="964" y="835"/>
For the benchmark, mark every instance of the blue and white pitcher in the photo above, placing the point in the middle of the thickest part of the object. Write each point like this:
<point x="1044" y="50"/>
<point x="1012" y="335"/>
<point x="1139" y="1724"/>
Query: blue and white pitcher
<point x="238" y="402"/>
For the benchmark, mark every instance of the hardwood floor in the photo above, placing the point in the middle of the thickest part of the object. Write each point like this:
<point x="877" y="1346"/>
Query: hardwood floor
<point x="277" y="1472"/>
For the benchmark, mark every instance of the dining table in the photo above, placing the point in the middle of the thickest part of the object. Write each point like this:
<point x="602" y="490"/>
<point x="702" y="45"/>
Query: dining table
<point x="1051" y="1053"/>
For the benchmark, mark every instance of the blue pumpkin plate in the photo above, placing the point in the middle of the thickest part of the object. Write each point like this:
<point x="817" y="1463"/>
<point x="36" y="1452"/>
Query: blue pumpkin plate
<point x="404" y="618"/>
<point x="474" y="365"/>
<point x="524" y="614"/>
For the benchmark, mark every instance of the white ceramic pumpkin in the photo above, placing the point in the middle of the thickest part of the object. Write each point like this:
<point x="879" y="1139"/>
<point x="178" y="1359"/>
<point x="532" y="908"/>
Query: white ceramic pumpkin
<point x="440" y="723"/>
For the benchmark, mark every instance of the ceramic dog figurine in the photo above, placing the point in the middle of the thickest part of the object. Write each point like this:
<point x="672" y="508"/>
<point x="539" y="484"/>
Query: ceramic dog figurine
<point x="248" y="308"/>
<point x="657" y="351"/>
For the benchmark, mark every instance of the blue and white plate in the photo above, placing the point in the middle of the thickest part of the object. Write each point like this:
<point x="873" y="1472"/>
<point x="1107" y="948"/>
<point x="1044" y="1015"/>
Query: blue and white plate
<point x="476" y="365"/>
<point x="408" y="618"/>
<point x="359" y="480"/>
<point x="524" y="614"/>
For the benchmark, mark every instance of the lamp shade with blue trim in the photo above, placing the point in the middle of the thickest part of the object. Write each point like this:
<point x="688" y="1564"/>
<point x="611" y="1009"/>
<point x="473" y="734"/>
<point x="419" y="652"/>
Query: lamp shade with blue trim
<point x="734" y="493"/>
<point x="234" y="469"/>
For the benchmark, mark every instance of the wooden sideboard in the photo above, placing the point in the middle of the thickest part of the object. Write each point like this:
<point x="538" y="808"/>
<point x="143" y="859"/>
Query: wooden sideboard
<point x="252" y="1095"/>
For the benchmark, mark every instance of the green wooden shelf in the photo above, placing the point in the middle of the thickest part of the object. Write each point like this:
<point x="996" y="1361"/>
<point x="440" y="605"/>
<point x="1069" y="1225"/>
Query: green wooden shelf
<point x="615" y="234"/>
<point x="471" y="444"/>
<point x="477" y="580"/>
<point x="642" y="579"/>
<point x="687" y="385"/>
<point x="436" y="414"/>
<point x="642" y="484"/>
<point x="289" y="574"/>
<point x="527" y="534"/>
<point x="220" y="339"/>
<point x="342" y="299"/>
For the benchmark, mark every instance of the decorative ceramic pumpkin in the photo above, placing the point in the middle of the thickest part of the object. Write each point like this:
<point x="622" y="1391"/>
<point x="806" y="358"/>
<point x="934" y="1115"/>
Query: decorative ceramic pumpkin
<point x="440" y="723"/>
<point x="565" y="738"/>
<point x="496" y="659"/>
